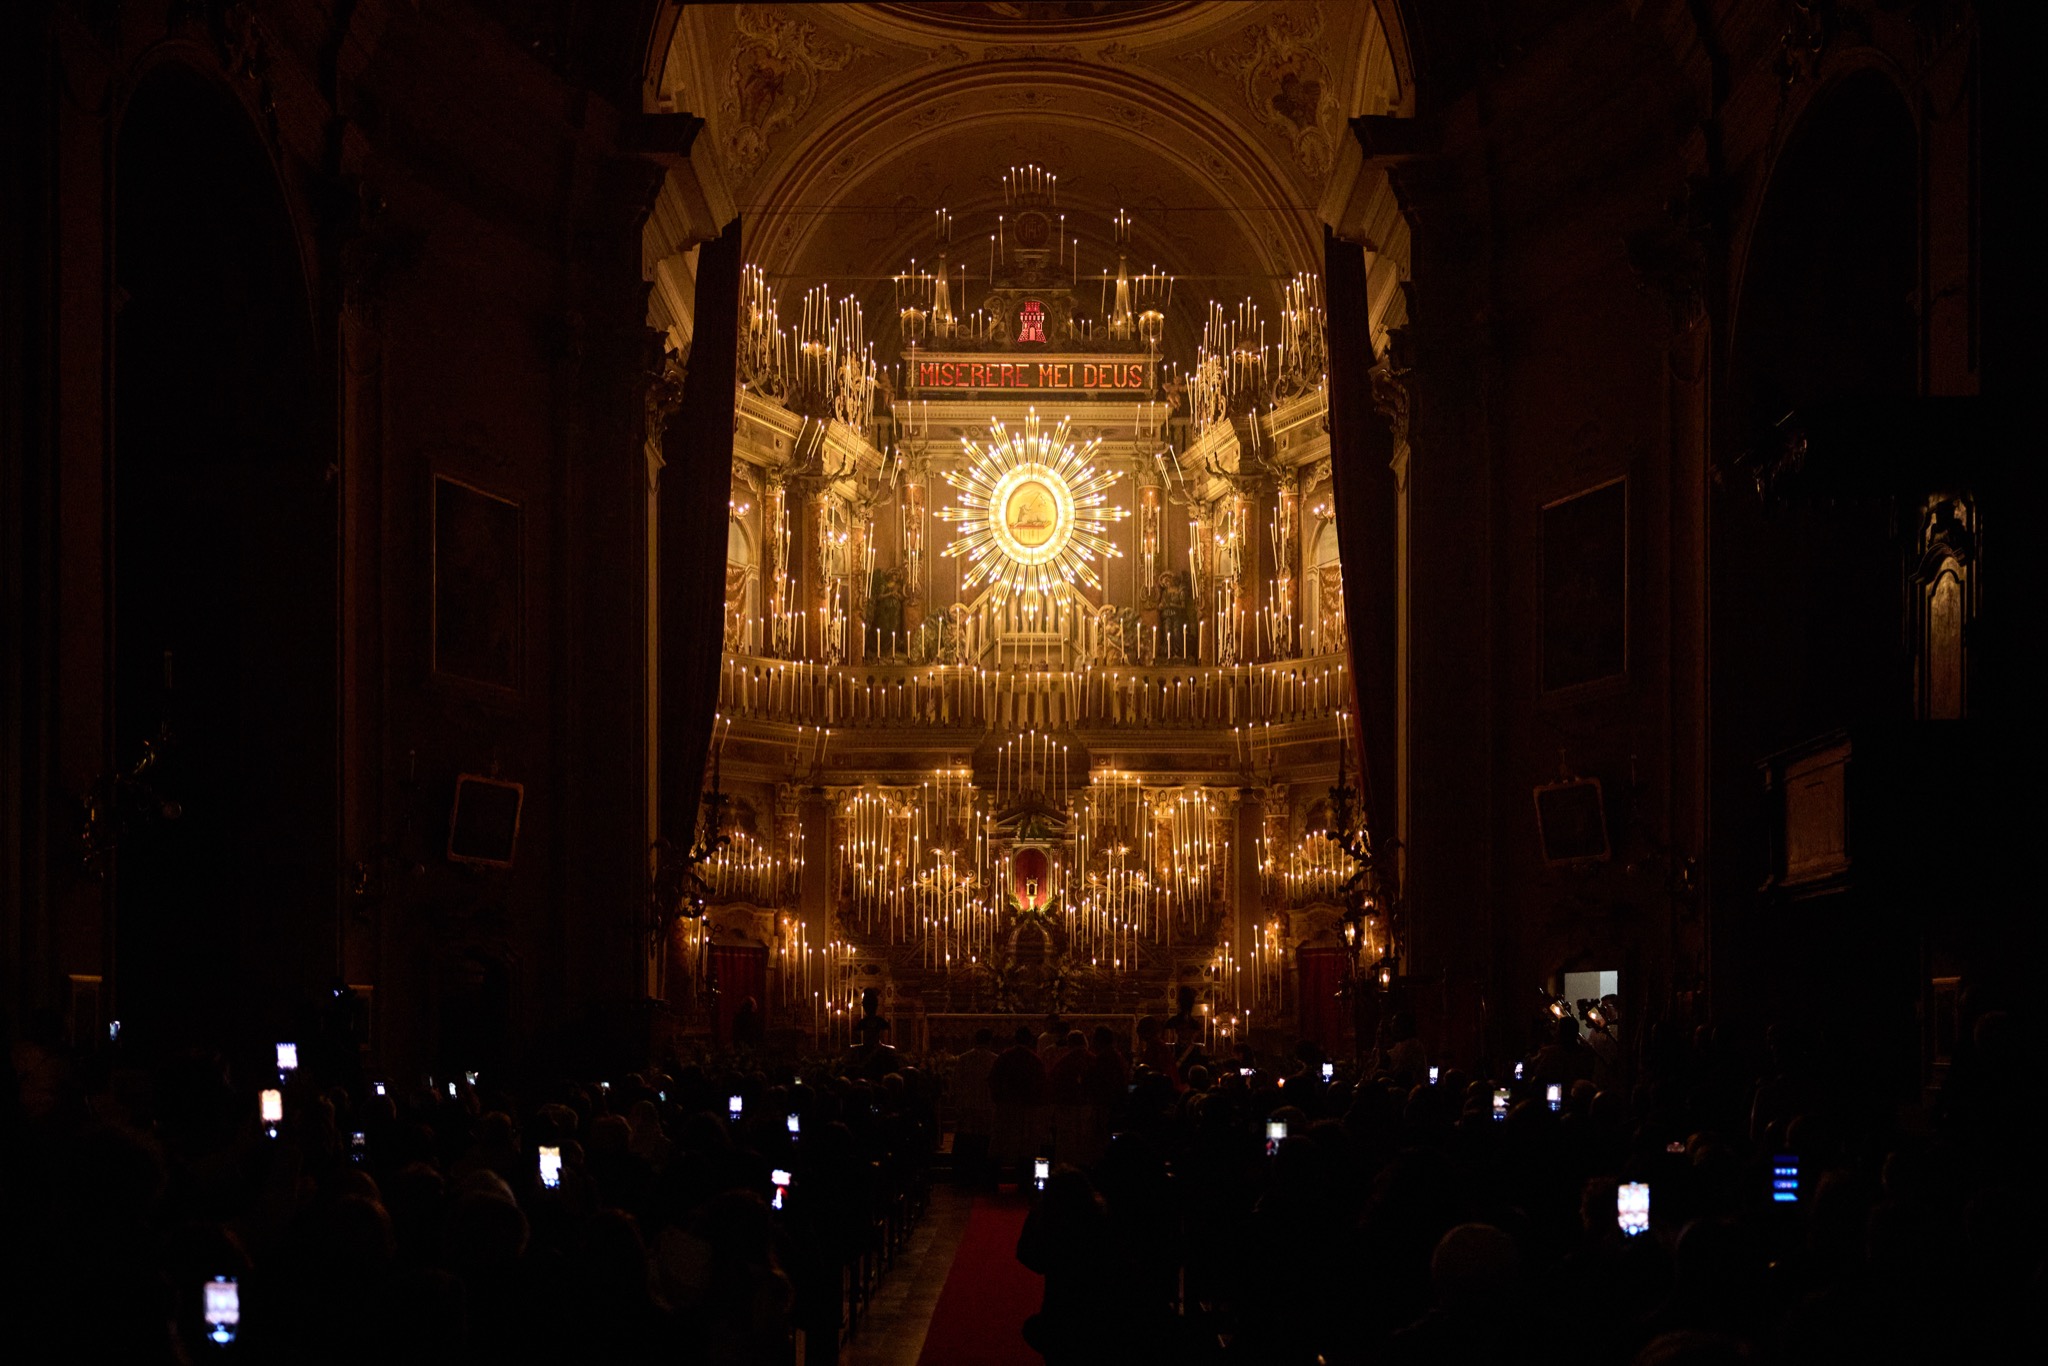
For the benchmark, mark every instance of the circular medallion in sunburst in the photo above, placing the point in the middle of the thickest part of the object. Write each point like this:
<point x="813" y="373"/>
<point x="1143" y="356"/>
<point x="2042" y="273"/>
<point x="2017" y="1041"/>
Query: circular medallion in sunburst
<point x="1034" y="514"/>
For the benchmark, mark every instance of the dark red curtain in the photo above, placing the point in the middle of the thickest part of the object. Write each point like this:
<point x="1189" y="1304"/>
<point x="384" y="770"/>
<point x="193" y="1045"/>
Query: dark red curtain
<point x="741" y="972"/>
<point x="1323" y="1012"/>
<point x="697" y="467"/>
<point x="1363" y="488"/>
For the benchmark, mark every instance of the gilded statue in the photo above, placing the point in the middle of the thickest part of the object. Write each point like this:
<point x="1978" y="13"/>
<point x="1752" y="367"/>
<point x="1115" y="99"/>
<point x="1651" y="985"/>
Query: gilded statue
<point x="735" y="607"/>
<point x="885" y="608"/>
<point x="1169" y="609"/>
<point x="1113" y="625"/>
<point x="953" y="635"/>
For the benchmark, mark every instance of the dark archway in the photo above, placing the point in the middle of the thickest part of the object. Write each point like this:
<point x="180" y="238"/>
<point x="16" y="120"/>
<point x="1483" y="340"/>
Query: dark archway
<point x="1805" y="584"/>
<point x="223" y="559"/>
<point x="1806" y="614"/>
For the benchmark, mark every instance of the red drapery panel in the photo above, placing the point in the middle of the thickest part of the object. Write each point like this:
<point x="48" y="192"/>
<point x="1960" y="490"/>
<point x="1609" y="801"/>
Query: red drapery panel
<point x="1323" y="1012"/>
<point x="741" y="971"/>
<point x="1363" y="488"/>
<point x="697" y="467"/>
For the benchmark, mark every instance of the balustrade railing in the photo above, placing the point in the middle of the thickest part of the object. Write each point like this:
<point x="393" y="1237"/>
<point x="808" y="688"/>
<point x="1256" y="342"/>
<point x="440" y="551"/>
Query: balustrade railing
<point x="884" y="695"/>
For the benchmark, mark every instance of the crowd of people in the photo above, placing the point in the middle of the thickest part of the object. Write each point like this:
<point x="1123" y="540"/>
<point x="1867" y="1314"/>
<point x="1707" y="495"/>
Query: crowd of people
<point x="1709" y="1207"/>
<point x="1193" y="1204"/>
<point x="715" y="1212"/>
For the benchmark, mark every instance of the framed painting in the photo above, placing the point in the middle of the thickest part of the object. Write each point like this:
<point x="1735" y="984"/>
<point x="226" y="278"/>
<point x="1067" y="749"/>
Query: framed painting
<point x="1571" y="821"/>
<point x="484" y="826"/>
<point x="1583" y="627"/>
<point x="479" y="584"/>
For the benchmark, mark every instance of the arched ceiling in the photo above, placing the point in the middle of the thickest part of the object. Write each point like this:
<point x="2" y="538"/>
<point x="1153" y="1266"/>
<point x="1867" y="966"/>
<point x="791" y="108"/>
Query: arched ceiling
<point x="840" y="128"/>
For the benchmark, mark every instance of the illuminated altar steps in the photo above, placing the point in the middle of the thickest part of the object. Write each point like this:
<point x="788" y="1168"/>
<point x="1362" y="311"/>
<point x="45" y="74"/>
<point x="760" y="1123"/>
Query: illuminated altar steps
<point x="1198" y="697"/>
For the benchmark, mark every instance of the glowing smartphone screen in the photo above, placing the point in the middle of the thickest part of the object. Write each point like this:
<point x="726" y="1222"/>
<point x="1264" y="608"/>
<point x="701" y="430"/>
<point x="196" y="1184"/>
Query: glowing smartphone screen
<point x="1554" y="1094"/>
<point x="1432" y="1076"/>
<point x="1632" y="1208"/>
<point x="1500" y="1102"/>
<point x="287" y="1057"/>
<point x="780" y="1180"/>
<point x="795" y="1124"/>
<point x="550" y="1166"/>
<point x="273" y="1106"/>
<point x="1329" y="1070"/>
<point x="1785" y="1179"/>
<point x="223" y="1308"/>
<point x="1041" y="1171"/>
<point x="1276" y="1129"/>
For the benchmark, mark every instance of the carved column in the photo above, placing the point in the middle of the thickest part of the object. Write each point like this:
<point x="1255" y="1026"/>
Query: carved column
<point x="1276" y="832"/>
<point x="1286" y="606"/>
<point x="830" y="598"/>
<point x="1390" y="401"/>
<point x="910" y="512"/>
<point x="368" y="821"/>
<point x="1244" y="513"/>
<point x="814" y="897"/>
<point x="1247" y="901"/>
<point x="663" y="397"/>
<point x="860" y="560"/>
<point x="1202" y="584"/>
<point x="807" y="532"/>
<point x="1150" y="499"/>
<point x="775" y="635"/>
<point x="1670" y="260"/>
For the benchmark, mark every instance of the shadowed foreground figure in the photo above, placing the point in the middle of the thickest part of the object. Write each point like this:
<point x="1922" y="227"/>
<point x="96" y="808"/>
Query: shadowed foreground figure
<point x="1389" y="1225"/>
<point x="1068" y="1240"/>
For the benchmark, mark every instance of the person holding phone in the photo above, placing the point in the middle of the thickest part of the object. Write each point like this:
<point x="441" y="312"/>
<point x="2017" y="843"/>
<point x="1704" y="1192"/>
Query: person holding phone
<point x="1085" y="1314"/>
<point x="223" y="1310"/>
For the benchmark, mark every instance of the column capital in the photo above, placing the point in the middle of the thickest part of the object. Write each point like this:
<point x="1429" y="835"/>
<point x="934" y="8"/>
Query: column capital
<point x="663" y="397"/>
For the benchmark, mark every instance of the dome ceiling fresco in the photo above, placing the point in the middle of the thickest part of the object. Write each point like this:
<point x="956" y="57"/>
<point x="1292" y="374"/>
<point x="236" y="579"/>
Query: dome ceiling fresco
<point x="840" y="128"/>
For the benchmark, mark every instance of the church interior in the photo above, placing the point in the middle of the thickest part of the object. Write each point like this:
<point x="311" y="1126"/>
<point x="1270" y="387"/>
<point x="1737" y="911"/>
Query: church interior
<point x="1415" y="569"/>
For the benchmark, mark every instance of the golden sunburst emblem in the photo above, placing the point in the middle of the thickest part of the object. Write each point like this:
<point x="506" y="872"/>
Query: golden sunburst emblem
<point x="1034" y="514"/>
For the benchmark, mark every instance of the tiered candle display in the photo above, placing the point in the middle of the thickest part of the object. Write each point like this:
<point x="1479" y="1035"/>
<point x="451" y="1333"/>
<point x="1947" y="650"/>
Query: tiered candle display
<point x="1038" y="866"/>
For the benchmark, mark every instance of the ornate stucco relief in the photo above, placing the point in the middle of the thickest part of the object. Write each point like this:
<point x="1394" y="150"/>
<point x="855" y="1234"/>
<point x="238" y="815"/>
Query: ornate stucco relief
<point x="1278" y="71"/>
<point x="773" y="79"/>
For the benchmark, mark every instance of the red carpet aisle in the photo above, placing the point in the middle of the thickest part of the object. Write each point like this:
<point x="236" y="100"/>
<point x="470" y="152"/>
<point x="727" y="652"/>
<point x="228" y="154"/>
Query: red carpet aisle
<point x="980" y="1317"/>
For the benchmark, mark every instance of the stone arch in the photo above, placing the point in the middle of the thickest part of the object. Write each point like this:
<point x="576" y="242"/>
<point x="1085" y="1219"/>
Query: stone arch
<point x="1805" y="563"/>
<point x="224" y="562"/>
<point x="1836" y="217"/>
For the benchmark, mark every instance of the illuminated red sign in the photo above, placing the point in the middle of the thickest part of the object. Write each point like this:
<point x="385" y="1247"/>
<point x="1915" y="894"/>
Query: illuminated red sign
<point x="1103" y="377"/>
